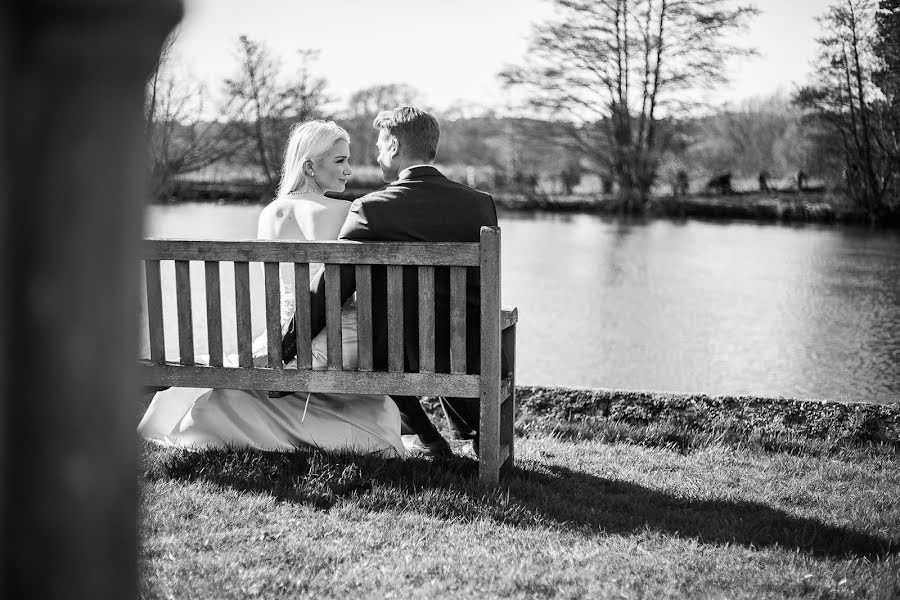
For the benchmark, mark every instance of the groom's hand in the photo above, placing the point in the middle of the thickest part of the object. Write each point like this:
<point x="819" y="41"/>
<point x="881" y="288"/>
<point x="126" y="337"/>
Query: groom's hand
<point x="289" y="344"/>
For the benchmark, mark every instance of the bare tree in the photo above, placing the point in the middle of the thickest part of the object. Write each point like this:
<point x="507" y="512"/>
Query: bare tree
<point x="610" y="66"/>
<point x="846" y="96"/>
<point x="153" y="81"/>
<point x="180" y="135"/>
<point x="747" y="138"/>
<point x="887" y="78"/>
<point x="266" y="104"/>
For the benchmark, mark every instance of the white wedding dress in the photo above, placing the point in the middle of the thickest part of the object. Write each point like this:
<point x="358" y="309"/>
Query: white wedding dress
<point x="246" y="418"/>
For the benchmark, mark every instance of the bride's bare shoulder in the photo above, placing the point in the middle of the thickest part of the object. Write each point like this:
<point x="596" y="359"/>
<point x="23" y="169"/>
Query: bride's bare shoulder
<point x="277" y="207"/>
<point x="272" y="217"/>
<point x="320" y="217"/>
<point x="317" y="207"/>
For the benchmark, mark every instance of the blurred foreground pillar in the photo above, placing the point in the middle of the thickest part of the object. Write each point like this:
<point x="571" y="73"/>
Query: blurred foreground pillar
<point x="71" y="202"/>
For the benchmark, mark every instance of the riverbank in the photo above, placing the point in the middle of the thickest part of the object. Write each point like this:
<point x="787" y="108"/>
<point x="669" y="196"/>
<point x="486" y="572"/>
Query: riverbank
<point x="776" y="207"/>
<point x="581" y="516"/>
<point x="688" y="421"/>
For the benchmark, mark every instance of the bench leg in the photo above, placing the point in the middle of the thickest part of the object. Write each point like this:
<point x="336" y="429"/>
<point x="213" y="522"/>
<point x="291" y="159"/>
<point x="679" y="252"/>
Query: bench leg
<point x="498" y="413"/>
<point x="489" y="436"/>
<point x="508" y="404"/>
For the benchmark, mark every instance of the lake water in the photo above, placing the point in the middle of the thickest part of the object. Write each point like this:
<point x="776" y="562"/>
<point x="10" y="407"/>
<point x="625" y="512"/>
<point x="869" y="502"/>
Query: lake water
<point x="714" y="308"/>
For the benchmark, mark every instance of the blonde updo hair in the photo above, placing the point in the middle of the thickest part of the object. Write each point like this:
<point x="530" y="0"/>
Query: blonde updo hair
<point x="309" y="141"/>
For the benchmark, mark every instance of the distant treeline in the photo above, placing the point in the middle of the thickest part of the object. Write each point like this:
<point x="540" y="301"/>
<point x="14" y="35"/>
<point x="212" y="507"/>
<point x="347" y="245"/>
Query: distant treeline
<point x="768" y="135"/>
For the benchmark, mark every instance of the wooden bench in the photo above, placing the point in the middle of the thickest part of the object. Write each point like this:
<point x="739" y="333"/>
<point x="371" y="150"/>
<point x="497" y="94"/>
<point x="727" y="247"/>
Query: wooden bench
<point x="498" y="327"/>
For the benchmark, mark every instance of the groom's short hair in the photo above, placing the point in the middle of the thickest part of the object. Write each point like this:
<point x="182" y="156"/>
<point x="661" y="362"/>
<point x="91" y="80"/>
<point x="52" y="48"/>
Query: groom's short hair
<point x="417" y="131"/>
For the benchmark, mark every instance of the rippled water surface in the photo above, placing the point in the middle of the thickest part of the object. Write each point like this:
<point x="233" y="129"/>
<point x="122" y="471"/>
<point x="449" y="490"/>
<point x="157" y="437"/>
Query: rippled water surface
<point x="738" y="308"/>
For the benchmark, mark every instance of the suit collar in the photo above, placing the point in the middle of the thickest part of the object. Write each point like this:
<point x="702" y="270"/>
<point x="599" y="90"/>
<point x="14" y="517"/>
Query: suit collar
<point x="416" y="171"/>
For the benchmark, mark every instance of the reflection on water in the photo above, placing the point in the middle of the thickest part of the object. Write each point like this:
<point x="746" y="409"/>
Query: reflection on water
<point x="715" y="308"/>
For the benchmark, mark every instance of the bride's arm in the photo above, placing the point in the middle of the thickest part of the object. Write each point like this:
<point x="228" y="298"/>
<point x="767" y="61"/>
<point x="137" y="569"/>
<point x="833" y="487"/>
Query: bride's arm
<point x="269" y="227"/>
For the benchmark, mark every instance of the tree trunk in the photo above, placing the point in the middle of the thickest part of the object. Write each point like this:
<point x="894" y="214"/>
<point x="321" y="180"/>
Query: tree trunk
<point x="657" y="71"/>
<point x="872" y="182"/>
<point x="261" y="142"/>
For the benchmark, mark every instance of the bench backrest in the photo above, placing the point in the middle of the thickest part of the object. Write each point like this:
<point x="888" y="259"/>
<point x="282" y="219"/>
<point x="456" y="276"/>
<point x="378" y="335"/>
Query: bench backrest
<point x="275" y="376"/>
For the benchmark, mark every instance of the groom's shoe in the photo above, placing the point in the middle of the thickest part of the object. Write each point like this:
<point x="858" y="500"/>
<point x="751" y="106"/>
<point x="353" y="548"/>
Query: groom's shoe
<point x="438" y="448"/>
<point x="472" y="448"/>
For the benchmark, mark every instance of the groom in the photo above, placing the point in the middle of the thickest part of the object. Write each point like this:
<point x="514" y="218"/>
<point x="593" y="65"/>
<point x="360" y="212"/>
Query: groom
<point x="418" y="204"/>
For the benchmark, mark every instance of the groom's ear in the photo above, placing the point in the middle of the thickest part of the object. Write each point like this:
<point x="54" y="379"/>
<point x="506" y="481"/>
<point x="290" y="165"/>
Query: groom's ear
<point x="395" y="145"/>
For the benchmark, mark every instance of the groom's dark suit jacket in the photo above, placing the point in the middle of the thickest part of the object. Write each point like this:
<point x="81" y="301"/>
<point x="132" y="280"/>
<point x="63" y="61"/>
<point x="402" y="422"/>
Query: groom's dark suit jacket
<point x="421" y="206"/>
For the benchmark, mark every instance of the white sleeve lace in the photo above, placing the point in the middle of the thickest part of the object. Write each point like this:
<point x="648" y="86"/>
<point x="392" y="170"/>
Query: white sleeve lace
<point x="288" y="304"/>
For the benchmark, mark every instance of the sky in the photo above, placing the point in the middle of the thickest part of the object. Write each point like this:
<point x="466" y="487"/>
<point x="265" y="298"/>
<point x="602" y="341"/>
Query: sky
<point x="450" y="50"/>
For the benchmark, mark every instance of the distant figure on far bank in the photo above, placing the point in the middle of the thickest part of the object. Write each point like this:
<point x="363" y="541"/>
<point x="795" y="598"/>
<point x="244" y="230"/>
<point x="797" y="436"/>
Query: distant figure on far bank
<point x="570" y="176"/>
<point x="801" y="180"/>
<point x="764" y="181"/>
<point x="720" y="184"/>
<point x="682" y="184"/>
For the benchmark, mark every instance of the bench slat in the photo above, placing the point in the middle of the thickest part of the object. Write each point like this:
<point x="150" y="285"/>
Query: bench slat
<point x="333" y="316"/>
<point x="426" y="319"/>
<point x="301" y="316"/>
<point x="364" y="316"/>
<point x="273" y="314"/>
<point x="242" y="312"/>
<point x="334" y="252"/>
<point x="489" y="430"/>
<point x="157" y="335"/>
<point x="350" y="382"/>
<point x="395" y="318"/>
<point x="214" y="313"/>
<point x="457" y="319"/>
<point x="185" y="311"/>
<point x="508" y="319"/>
<point x="508" y="393"/>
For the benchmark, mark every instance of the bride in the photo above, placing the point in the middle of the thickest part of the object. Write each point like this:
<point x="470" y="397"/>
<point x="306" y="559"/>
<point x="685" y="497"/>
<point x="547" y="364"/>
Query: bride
<point x="317" y="160"/>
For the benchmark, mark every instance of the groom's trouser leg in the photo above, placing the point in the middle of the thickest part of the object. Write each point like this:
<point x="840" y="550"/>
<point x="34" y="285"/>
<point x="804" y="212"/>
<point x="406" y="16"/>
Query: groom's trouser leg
<point x="413" y="419"/>
<point x="464" y="415"/>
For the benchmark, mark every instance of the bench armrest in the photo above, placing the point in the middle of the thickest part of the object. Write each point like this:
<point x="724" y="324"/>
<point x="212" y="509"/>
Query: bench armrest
<point x="508" y="317"/>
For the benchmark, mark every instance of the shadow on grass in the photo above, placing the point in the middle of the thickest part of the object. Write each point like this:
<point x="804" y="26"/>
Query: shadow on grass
<point x="536" y="494"/>
<point x="622" y="507"/>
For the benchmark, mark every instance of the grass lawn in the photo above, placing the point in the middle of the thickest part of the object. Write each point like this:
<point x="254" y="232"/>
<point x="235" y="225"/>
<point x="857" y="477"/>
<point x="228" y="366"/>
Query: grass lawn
<point x="635" y="517"/>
